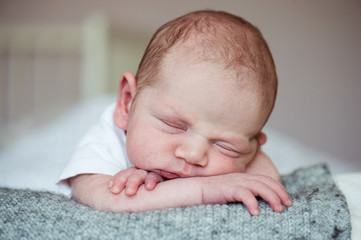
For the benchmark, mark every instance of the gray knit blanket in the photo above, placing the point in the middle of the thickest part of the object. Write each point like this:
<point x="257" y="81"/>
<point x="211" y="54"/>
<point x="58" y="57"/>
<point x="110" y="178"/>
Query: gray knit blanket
<point x="319" y="211"/>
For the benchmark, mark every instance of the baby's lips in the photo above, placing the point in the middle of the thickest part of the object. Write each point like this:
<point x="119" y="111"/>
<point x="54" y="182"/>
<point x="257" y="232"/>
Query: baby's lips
<point x="168" y="175"/>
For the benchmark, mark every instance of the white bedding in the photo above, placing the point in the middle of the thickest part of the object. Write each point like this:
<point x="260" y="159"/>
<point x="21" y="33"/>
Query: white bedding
<point x="35" y="160"/>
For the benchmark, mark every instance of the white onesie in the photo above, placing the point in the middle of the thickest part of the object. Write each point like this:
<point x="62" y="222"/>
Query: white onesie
<point x="101" y="151"/>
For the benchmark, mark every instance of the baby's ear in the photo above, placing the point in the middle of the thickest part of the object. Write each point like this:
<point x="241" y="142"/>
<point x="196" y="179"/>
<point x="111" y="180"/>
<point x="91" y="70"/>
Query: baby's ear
<point x="127" y="90"/>
<point x="262" y="138"/>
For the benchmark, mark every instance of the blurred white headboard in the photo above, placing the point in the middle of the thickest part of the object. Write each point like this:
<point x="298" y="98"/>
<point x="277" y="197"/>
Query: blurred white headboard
<point x="45" y="69"/>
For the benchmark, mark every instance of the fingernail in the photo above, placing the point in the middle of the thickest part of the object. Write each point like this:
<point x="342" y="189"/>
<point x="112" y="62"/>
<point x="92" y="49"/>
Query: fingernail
<point x="114" y="189"/>
<point x="255" y="212"/>
<point x="110" y="184"/>
<point x="279" y="208"/>
<point x="129" y="192"/>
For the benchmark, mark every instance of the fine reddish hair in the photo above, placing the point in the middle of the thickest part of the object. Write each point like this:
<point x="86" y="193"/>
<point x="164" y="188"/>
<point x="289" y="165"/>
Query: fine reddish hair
<point x="219" y="37"/>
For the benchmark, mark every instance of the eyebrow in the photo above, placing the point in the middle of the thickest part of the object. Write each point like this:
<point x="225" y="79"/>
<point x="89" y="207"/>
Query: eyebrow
<point x="172" y="114"/>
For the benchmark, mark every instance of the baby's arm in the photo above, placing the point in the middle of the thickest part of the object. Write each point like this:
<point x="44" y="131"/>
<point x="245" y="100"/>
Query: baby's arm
<point x="93" y="191"/>
<point x="262" y="164"/>
<point x="130" y="179"/>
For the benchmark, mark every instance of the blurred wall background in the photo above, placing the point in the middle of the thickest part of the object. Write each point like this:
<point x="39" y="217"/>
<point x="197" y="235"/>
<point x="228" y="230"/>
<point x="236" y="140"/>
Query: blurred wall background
<point x="55" y="53"/>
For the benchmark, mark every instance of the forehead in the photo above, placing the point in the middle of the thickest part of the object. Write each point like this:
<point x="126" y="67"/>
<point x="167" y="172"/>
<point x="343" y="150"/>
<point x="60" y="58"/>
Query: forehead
<point x="186" y="62"/>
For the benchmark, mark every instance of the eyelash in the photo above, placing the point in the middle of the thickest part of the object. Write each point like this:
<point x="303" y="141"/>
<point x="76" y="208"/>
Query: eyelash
<point x="174" y="126"/>
<point x="226" y="150"/>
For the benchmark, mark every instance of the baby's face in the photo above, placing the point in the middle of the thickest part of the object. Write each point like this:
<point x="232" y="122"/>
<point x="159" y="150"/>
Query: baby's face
<point x="195" y="121"/>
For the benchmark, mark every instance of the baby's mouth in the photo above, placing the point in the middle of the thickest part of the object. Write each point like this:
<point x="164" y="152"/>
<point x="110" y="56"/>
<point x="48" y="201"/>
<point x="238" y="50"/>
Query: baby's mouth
<point x="167" y="175"/>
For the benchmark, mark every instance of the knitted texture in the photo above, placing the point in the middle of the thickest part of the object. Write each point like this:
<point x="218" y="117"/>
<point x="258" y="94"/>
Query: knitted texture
<point x="319" y="211"/>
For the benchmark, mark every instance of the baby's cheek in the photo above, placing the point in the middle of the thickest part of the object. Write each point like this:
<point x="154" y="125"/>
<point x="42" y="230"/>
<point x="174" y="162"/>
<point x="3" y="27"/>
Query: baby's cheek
<point x="254" y="148"/>
<point x="221" y="164"/>
<point x="247" y="159"/>
<point x="136" y="151"/>
<point x="146" y="152"/>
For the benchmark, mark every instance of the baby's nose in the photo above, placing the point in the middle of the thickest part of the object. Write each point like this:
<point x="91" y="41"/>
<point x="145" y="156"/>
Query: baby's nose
<point x="194" y="151"/>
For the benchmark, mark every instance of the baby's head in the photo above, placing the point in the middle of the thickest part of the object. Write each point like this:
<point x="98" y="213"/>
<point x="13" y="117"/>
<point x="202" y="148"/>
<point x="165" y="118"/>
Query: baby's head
<point x="218" y="37"/>
<point x="204" y="89"/>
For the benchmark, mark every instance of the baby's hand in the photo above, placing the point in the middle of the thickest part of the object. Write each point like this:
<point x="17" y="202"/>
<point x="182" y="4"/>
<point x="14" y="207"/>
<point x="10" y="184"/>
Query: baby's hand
<point x="243" y="187"/>
<point x="131" y="178"/>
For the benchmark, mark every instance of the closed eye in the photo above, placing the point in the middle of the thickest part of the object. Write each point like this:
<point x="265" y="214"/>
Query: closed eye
<point x="226" y="149"/>
<point x="174" y="127"/>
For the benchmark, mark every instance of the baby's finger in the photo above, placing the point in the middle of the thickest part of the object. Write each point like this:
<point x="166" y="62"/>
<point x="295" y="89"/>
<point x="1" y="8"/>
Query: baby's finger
<point x="117" y="183"/>
<point x="134" y="181"/>
<point x="278" y="188"/>
<point x="115" y="186"/>
<point x="151" y="180"/>
<point x="248" y="199"/>
<point x="267" y="194"/>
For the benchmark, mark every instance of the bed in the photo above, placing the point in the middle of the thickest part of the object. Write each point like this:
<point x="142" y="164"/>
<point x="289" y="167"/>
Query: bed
<point x="30" y="165"/>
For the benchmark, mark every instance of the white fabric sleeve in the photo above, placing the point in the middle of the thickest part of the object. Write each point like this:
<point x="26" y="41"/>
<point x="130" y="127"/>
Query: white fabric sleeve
<point x="101" y="151"/>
